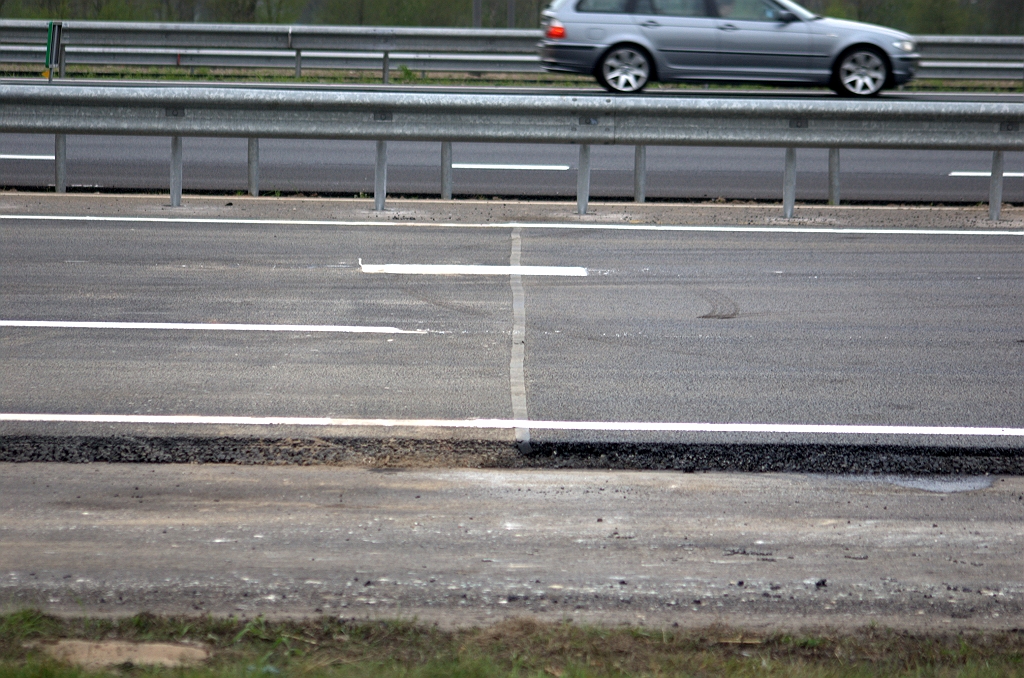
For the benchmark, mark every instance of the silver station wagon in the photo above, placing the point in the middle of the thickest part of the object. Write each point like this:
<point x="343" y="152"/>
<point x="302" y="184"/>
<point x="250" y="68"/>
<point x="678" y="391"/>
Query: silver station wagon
<point x="627" y="43"/>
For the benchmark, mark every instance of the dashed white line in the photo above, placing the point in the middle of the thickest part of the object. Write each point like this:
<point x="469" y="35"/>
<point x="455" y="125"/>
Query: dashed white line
<point x="223" y="327"/>
<point x="485" y="166"/>
<point x="26" y="157"/>
<point x="1011" y="175"/>
<point x="622" y="426"/>
<point x="510" y="225"/>
<point x="470" y="269"/>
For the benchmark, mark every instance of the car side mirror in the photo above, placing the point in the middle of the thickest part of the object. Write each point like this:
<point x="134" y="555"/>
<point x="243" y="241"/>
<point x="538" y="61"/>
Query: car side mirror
<point x="786" y="17"/>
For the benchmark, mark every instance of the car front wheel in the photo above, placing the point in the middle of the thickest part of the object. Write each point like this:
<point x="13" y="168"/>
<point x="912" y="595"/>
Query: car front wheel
<point x="861" y="72"/>
<point x="624" y="69"/>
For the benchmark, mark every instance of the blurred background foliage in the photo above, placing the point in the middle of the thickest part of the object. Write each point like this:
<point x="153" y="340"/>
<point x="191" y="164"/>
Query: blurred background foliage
<point x="994" y="17"/>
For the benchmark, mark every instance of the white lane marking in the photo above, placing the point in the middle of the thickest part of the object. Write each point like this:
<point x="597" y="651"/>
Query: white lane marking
<point x="484" y="166"/>
<point x="636" y="426"/>
<point x="235" y="327"/>
<point x="26" y="157"/>
<point x="985" y="174"/>
<point x="460" y="269"/>
<point x="508" y="224"/>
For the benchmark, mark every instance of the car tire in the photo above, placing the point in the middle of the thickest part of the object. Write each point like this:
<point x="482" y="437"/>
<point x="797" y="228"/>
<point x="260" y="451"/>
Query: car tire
<point x="860" y="72"/>
<point x="624" y="69"/>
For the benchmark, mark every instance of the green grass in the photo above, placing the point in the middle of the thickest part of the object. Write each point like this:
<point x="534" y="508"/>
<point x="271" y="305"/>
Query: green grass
<point x="327" y="647"/>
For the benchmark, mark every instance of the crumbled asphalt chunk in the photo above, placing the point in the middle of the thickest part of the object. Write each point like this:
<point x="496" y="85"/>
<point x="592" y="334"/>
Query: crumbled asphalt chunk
<point x="395" y="453"/>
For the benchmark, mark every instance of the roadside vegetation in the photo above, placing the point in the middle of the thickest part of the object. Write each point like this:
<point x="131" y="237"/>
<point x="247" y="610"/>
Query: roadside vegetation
<point x="1000" y="17"/>
<point x="404" y="648"/>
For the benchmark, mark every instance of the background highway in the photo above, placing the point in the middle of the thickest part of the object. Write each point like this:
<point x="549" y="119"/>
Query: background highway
<point x="905" y="329"/>
<point x="346" y="167"/>
<point x="520" y="170"/>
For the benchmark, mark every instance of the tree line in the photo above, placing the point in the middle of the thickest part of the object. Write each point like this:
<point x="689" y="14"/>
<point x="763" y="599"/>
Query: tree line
<point x="994" y="17"/>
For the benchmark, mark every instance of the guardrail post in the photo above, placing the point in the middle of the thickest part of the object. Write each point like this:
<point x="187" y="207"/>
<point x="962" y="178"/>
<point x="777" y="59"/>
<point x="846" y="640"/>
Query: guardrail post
<point x="640" y="174"/>
<point x="995" y="186"/>
<point x="385" y="68"/>
<point x="175" y="171"/>
<point x="583" y="180"/>
<point x="833" y="176"/>
<point x="446" y="170"/>
<point x="298" y="63"/>
<point x="254" y="167"/>
<point x="62" y="61"/>
<point x="789" y="184"/>
<point x="60" y="162"/>
<point x="380" y="176"/>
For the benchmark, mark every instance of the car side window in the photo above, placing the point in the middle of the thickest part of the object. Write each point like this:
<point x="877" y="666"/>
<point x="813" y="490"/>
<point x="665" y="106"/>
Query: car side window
<point x="603" y="6"/>
<point x="748" y="10"/>
<point x="674" y="7"/>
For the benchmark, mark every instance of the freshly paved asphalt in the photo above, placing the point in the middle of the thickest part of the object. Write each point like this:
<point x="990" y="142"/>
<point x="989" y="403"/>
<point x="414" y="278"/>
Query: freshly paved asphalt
<point x="840" y="328"/>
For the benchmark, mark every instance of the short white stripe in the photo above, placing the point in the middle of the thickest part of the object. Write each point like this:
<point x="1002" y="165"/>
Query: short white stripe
<point x="517" y="423"/>
<point x="458" y="269"/>
<point x="985" y="174"/>
<point x="507" y="225"/>
<point x="26" y="157"/>
<point x="206" y="326"/>
<point x="470" y="165"/>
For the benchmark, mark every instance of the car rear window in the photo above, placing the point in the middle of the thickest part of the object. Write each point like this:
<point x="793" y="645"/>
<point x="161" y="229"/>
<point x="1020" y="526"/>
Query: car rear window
<point x="672" y="7"/>
<point x="606" y="6"/>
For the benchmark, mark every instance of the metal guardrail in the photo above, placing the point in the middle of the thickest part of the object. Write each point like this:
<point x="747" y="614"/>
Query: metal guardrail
<point x="62" y="109"/>
<point x="383" y="48"/>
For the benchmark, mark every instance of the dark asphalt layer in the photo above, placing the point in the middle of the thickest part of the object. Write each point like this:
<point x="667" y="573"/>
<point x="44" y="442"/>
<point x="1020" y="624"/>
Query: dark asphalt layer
<point x="346" y="167"/>
<point x="769" y="328"/>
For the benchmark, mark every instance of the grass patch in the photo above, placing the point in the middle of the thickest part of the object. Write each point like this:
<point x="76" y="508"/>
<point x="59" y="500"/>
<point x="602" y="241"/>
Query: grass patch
<point x="258" y="648"/>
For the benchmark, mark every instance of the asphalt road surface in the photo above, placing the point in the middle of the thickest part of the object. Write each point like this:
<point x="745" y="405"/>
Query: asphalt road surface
<point x="627" y="333"/>
<point x="346" y="167"/>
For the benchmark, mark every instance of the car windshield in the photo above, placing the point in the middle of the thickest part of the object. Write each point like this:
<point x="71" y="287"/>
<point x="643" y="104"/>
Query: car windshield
<point x="801" y="12"/>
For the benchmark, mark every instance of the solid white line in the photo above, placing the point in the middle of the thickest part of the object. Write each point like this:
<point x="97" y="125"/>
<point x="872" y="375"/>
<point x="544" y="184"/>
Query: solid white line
<point x="985" y="174"/>
<point x="26" y="157"/>
<point x="470" y="165"/>
<point x="357" y="329"/>
<point x="508" y="225"/>
<point x="521" y="423"/>
<point x="460" y="269"/>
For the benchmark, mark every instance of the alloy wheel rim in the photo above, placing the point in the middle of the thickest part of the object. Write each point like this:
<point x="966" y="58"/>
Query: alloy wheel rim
<point x="626" y="70"/>
<point x="862" y="73"/>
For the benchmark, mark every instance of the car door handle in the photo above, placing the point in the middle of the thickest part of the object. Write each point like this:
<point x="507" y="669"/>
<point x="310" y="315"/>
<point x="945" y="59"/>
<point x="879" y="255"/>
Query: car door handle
<point x="729" y="27"/>
<point x="650" y="24"/>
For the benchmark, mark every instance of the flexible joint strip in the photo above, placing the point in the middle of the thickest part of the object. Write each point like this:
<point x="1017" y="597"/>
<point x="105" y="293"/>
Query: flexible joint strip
<point x="517" y="424"/>
<point x="517" y="360"/>
<point x="223" y="327"/>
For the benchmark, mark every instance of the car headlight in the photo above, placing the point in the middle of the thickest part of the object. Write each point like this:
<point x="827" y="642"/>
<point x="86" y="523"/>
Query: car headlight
<point x="905" y="45"/>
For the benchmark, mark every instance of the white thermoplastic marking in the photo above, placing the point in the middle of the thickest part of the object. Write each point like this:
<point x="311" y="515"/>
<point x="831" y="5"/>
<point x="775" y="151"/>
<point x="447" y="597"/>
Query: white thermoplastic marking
<point x="484" y="166"/>
<point x="504" y="225"/>
<point x="206" y="326"/>
<point x="459" y="269"/>
<point x="521" y="423"/>
<point x="1013" y="175"/>
<point x="26" y="157"/>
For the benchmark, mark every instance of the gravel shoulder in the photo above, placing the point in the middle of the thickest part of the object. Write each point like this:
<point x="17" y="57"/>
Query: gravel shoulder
<point x="737" y="213"/>
<point x="473" y="547"/>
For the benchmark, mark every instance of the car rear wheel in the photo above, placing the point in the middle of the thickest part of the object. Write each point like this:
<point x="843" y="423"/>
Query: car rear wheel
<point x="861" y="72"/>
<point x="624" y="69"/>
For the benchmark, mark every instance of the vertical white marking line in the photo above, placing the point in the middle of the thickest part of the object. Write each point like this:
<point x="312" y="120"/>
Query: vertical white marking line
<point x="517" y="362"/>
